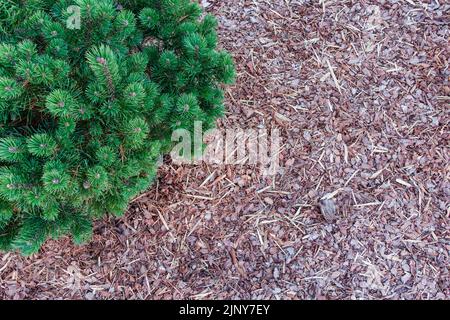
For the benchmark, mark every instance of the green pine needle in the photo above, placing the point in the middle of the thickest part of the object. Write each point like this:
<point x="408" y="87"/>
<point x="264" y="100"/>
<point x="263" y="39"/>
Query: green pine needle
<point x="86" y="114"/>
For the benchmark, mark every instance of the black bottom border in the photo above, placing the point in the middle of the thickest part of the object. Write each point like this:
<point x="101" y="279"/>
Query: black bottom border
<point x="200" y="310"/>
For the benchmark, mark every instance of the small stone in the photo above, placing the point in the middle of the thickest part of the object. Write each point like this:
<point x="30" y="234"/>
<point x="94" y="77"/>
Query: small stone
<point x="328" y="209"/>
<point x="276" y="273"/>
<point x="406" y="277"/>
<point x="290" y="162"/>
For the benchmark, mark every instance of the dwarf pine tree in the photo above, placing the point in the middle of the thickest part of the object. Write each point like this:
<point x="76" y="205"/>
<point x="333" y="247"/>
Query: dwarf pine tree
<point x="86" y="110"/>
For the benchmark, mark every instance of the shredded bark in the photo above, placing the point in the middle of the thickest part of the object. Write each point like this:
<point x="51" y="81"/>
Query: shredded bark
<point x="360" y="90"/>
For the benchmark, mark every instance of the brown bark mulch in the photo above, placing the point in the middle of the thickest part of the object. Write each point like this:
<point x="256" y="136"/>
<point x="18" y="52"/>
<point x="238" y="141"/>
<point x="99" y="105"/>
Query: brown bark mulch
<point x="360" y="90"/>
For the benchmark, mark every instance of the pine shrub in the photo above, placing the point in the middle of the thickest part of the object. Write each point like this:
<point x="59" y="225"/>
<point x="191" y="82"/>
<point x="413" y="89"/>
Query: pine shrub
<point x="85" y="113"/>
